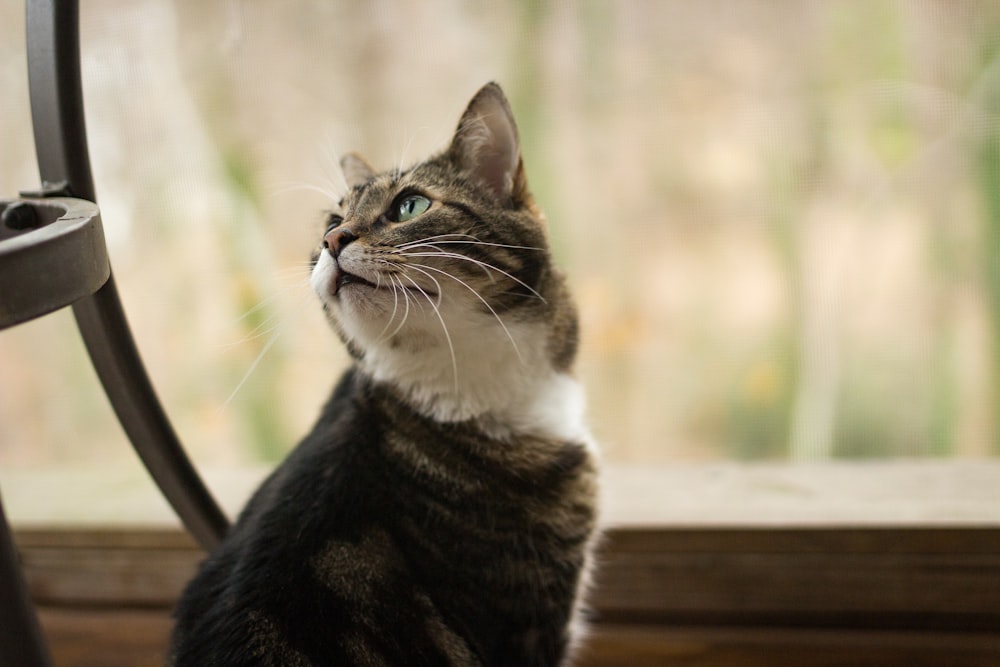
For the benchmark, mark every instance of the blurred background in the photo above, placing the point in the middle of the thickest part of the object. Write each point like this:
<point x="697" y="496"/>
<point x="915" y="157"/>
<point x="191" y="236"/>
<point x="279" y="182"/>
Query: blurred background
<point x="781" y="220"/>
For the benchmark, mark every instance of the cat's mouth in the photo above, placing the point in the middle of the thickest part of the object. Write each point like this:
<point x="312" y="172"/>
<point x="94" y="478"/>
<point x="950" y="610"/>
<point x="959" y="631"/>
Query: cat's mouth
<point x="344" y="278"/>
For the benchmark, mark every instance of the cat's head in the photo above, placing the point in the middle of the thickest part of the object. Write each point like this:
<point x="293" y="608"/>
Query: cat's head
<point x="440" y="273"/>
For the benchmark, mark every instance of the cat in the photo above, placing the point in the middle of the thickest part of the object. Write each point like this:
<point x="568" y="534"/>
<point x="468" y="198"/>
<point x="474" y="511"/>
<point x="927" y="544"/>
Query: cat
<point x="442" y="510"/>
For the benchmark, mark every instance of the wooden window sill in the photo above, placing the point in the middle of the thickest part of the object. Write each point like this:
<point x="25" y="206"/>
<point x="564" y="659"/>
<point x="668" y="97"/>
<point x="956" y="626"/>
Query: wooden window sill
<point x="706" y="597"/>
<point x="941" y="493"/>
<point x="715" y="565"/>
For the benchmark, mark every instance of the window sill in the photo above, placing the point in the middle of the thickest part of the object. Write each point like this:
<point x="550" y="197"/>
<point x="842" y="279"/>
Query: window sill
<point x="697" y="597"/>
<point x="701" y="565"/>
<point x="935" y="493"/>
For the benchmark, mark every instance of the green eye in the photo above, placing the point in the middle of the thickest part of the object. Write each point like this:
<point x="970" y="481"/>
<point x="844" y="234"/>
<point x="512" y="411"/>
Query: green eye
<point x="410" y="207"/>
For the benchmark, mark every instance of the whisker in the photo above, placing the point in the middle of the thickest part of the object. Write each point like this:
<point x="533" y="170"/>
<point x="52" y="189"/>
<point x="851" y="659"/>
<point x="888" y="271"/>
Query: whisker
<point x="484" y="265"/>
<point x="406" y="302"/>
<point x="401" y="163"/>
<point x="260" y="305"/>
<point x="493" y="245"/>
<point x="274" y="319"/>
<point x="273" y="327"/>
<point x="331" y="165"/>
<point x="301" y="267"/>
<point x="444" y="327"/>
<point x="260" y="356"/>
<point x="441" y="252"/>
<point x="423" y="268"/>
<point x="436" y="283"/>
<point x="268" y="300"/>
<point x="475" y="241"/>
<point x="395" y="306"/>
<point x="285" y="188"/>
<point x="404" y="246"/>
<point x="272" y="323"/>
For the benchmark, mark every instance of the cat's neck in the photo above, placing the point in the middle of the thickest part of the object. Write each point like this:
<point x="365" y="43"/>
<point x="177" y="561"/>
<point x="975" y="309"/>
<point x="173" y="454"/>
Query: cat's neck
<point x="502" y="379"/>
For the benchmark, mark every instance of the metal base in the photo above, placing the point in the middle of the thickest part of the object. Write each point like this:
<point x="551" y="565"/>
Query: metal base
<point x="21" y="641"/>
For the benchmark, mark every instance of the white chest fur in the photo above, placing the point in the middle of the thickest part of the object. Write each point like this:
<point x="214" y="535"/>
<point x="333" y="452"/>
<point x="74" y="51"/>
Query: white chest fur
<point x="482" y="375"/>
<point x="456" y="361"/>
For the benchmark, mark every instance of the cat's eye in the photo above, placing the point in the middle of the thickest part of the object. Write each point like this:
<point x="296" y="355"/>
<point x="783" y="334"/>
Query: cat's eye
<point x="410" y="207"/>
<point x="333" y="222"/>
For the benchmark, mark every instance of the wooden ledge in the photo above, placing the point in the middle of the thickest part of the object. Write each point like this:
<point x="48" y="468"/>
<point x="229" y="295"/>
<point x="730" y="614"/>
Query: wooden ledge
<point x="865" y="597"/>
<point x="945" y="493"/>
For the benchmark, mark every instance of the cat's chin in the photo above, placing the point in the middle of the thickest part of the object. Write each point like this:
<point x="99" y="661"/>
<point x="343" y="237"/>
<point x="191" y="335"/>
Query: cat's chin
<point x="337" y="288"/>
<point x="333" y="283"/>
<point x="342" y="279"/>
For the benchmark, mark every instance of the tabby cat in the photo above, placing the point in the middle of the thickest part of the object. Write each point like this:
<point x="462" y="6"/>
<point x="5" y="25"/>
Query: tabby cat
<point x="441" y="510"/>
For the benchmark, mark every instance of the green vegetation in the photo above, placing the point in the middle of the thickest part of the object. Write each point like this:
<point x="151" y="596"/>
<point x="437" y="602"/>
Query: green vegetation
<point x="781" y="221"/>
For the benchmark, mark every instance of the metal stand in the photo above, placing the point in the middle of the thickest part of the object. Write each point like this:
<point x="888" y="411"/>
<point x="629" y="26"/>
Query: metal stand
<point x="21" y="640"/>
<point x="64" y="166"/>
<point x="53" y="254"/>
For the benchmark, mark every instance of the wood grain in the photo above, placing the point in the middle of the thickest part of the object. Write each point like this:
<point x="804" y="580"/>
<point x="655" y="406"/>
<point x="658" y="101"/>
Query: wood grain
<point x="137" y="637"/>
<point x="698" y="597"/>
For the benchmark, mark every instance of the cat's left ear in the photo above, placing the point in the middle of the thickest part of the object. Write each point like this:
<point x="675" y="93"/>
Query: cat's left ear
<point x="356" y="169"/>
<point x="486" y="144"/>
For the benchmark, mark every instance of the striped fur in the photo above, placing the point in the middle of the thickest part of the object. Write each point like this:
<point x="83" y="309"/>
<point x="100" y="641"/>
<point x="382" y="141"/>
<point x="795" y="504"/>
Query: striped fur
<point x="441" y="510"/>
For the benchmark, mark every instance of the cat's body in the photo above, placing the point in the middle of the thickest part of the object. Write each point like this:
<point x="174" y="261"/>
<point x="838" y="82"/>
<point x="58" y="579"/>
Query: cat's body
<point x="441" y="510"/>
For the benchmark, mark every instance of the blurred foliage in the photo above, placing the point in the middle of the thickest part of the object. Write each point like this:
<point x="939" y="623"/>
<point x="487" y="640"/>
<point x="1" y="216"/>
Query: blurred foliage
<point x="989" y="183"/>
<point x="782" y="222"/>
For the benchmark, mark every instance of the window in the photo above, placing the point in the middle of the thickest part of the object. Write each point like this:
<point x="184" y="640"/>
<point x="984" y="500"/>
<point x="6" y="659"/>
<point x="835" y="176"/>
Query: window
<point x="782" y="225"/>
<point x="796" y="213"/>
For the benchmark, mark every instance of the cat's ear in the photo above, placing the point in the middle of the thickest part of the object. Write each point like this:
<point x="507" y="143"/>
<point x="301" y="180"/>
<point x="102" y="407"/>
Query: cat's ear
<point x="356" y="169"/>
<point x="486" y="144"/>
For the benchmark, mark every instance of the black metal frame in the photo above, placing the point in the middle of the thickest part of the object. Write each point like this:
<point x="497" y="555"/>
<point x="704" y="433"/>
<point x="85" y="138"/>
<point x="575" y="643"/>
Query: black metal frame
<point x="53" y="254"/>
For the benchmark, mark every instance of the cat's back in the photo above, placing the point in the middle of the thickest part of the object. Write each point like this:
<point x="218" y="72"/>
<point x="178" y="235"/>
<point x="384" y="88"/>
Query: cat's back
<point x="257" y="599"/>
<point x="310" y="575"/>
<point x="387" y="539"/>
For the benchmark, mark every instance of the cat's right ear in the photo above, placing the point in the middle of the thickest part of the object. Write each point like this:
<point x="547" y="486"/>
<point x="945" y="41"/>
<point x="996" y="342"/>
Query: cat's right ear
<point x="356" y="170"/>
<point x="486" y="144"/>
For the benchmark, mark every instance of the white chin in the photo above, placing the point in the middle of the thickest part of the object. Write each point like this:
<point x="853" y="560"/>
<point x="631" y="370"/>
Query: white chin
<point x="322" y="277"/>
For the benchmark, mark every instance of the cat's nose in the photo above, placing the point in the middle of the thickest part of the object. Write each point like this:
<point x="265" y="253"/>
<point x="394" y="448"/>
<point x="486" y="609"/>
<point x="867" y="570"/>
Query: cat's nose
<point x="337" y="238"/>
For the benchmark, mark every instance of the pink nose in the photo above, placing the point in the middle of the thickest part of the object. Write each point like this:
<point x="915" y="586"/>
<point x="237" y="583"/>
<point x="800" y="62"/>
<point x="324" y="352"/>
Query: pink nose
<point x="336" y="239"/>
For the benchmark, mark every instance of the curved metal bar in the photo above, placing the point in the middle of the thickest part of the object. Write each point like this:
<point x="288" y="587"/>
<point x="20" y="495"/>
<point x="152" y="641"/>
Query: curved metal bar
<point x="21" y="640"/>
<point x="61" y="144"/>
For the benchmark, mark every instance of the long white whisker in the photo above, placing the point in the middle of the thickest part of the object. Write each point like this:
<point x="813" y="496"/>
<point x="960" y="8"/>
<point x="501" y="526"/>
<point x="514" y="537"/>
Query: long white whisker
<point x="423" y="268"/>
<point x="260" y="305"/>
<point x="441" y="238"/>
<point x="266" y="301"/>
<point x="484" y="265"/>
<point x="436" y="283"/>
<point x="298" y="271"/>
<point x="395" y="308"/>
<point x="402" y="154"/>
<point x="331" y="165"/>
<point x="267" y="347"/>
<point x="397" y="287"/>
<point x="441" y="252"/>
<point x="408" y="244"/>
<point x="285" y="188"/>
<point x="272" y="324"/>
<point x="444" y="327"/>
<point x="406" y="302"/>
<point x="490" y="244"/>
<point x="274" y="320"/>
